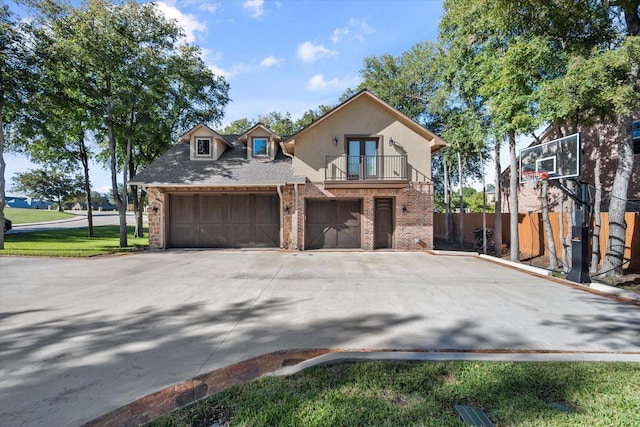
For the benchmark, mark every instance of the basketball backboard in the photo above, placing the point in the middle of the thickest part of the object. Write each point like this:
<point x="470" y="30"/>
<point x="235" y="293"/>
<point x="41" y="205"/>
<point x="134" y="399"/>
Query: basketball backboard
<point x="555" y="159"/>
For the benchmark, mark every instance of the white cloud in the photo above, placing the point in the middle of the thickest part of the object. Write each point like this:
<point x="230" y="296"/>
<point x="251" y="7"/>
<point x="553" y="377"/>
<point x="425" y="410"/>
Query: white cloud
<point x="360" y="28"/>
<point x="338" y="33"/>
<point x="271" y="61"/>
<point x="309" y="52"/>
<point x="255" y="7"/>
<point x="188" y="22"/>
<point x="211" y="7"/>
<point x="235" y="69"/>
<point x="318" y="82"/>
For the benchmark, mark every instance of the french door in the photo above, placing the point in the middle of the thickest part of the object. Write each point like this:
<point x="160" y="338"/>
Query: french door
<point x="362" y="157"/>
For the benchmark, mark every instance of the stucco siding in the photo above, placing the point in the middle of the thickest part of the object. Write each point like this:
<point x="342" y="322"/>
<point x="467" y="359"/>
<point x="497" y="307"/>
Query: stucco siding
<point x="361" y="118"/>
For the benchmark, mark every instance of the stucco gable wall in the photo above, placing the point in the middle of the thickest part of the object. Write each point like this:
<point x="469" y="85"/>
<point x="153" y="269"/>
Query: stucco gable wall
<point x="261" y="133"/>
<point x="360" y="118"/>
<point x="217" y="147"/>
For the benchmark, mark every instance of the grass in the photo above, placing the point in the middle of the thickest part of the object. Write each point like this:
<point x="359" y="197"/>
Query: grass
<point x="424" y="394"/>
<point x="26" y="216"/>
<point x="71" y="242"/>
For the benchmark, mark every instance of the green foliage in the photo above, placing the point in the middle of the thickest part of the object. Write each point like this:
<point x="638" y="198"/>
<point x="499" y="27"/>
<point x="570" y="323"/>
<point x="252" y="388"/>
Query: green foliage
<point x="424" y="393"/>
<point x="26" y="216"/>
<point x="237" y="127"/>
<point x="279" y="123"/>
<point x="475" y="202"/>
<point x="52" y="185"/>
<point x="69" y="242"/>
<point x="407" y="82"/>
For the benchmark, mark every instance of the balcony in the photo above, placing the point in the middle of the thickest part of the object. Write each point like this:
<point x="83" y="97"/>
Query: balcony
<point x="380" y="169"/>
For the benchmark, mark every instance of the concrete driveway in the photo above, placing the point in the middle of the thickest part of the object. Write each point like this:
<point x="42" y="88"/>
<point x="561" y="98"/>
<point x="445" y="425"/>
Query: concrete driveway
<point x="82" y="337"/>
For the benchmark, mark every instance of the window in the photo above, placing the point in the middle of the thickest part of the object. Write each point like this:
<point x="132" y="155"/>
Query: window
<point x="636" y="137"/>
<point x="362" y="157"/>
<point x="260" y="147"/>
<point x="203" y="147"/>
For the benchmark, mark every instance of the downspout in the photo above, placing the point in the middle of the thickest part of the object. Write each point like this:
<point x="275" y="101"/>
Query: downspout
<point x="294" y="218"/>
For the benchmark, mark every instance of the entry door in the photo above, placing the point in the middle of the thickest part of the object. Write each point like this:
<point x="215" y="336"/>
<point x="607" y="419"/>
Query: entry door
<point x="383" y="223"/>
<point x="362" y="158"/>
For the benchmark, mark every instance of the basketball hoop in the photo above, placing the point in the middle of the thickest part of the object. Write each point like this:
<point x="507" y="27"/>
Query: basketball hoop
<point x="544" y="176"/>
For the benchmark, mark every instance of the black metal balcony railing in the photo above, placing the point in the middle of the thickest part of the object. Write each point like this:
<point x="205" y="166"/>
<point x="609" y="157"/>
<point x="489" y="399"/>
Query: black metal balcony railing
<point x="344" y="168"/>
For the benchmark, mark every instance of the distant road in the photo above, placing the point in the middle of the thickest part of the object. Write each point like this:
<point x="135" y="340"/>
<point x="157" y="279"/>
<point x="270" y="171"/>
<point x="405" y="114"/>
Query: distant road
<point x="80" y="221"/>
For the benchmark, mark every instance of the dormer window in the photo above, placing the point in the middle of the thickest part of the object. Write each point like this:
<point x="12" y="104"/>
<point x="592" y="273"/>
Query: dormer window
<point x="260" y="147"/>
<point x="203" y="147"/>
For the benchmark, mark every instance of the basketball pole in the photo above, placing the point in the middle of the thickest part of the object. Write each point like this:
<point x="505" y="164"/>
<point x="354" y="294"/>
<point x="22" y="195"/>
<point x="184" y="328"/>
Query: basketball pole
<point x="579" y="272"/>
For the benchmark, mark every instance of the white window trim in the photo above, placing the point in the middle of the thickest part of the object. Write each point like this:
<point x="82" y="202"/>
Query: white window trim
<point x="253" y="152"/>
<point x="195" y="147"/>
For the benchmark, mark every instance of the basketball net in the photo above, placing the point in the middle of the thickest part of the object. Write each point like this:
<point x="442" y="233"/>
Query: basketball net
<point x="535" y="176"/>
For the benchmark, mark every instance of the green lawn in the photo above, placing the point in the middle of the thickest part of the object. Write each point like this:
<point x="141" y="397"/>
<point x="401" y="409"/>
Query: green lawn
<point x="71" y="242"/>
<point x="424" y="394"/>
<point x="25" y="216"/>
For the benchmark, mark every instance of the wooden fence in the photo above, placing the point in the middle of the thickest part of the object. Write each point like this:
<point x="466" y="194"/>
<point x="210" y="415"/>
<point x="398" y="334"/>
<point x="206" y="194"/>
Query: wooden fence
<point x="533" y="241"/>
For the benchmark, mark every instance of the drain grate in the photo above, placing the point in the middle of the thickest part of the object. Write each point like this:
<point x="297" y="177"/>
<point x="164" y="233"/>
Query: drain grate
<point x="560" y="407"/>
<point x="473" y="416"/>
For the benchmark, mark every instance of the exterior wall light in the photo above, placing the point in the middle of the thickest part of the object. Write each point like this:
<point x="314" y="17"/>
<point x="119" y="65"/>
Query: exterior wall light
<point x="404" y="210"/>
<point x="286" y="210"/>
<point x="391" y="142"/>
<point x="335" y="141"/>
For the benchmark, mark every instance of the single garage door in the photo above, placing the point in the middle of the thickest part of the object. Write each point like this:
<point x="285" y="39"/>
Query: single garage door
<point x="333" y="224"/>
<point x="224" y="221"/>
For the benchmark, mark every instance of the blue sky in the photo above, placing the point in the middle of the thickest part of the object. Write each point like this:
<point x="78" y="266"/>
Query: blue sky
<point x="288" y="56"/>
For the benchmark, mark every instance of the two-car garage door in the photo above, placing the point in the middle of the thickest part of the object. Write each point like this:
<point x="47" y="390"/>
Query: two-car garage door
<point x="224" y="221"/>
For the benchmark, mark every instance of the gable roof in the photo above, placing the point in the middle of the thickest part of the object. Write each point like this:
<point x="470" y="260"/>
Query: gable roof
<point x="245" y="136"/>
<point x="435" y="140"/>
<point x="186" y="137"/>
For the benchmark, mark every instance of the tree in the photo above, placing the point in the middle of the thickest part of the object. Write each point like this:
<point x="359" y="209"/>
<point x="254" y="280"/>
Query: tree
<point x="237" y="127"/>
<point x="407" y="82"/>
<point x="310" y="116"/>
<point x="17" y="81"/>
<point x="476" y="203"/>
<point x="52" y="185"/>
<point x="124" y="65"/>
<point x="505" y="51"/>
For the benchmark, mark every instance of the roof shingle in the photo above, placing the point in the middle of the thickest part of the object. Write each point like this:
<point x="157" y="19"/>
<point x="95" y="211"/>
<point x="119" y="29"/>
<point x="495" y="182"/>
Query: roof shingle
<point x="232" y="168"/>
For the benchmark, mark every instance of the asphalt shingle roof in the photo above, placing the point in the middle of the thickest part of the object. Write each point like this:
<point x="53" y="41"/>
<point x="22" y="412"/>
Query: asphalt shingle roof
<point x="231" y="169"/>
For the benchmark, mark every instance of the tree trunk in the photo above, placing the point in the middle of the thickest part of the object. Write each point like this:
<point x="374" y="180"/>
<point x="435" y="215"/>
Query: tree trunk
<point x="497" y="221"/>
<point x="484" y="208"/>
<point x="125" y="176"/>
<point x="561" y="229"/>
<point x="551" y="244"/>
<point x="614" y="257"/>
<point x="461" y="203"/>
<point x="513" y="191"/>
<point x="3" y="165"/>
<point x="84" y="158"/>
<point x="138" y="209"/>
<point x="120" y="204"/>
<point x="597" y="207"/>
